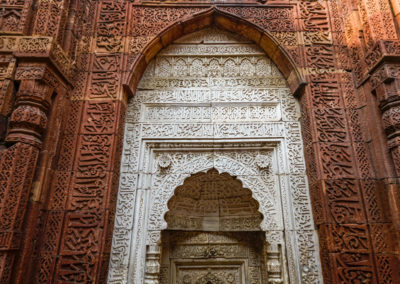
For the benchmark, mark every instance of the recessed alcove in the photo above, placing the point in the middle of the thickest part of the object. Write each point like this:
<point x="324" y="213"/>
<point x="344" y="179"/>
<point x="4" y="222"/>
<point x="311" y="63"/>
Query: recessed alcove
<point x="213" y="148"/>
<point x="210" y="201"/>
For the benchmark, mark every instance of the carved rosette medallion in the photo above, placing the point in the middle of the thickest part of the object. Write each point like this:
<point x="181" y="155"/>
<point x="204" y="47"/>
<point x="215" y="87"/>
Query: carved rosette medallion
<point x="263" y="162"/>
<point x="164" y="161"/>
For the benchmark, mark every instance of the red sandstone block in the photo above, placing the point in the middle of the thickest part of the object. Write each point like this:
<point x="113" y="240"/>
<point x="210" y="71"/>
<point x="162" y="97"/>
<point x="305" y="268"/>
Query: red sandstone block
<point x="330" y="125"/>
<point x="250" y="32"/>
<point x="94" y="153"/>
<point x="138" y="67"/>
<point x="67" y="152"/>
<point x="89" y="191"/>
<point x="325" y="238"/>
<point x="104" y="85"/>
<point x="313" y="155"/>
<point x="336" y="160"/>
<point x="352" y="238"/>
<point x="173" y="33"/>
<point x="352" y="268"/>
<point x="384" y="237"/>
<point x="319" y="203"/>
<point x="100" y="117"/>
<point x="103" y="268"/>
<point x="112" y="192"/>
<point x="297" y="55"/>
<point x="10" y="240"/>
<point x="58" y="191"/>
<point x="53" y="221"/>
<point x="6" y="264"/>
<point x="108" y="231"/>
<point x="388" y="268"/>
<point x="76" y="267"/>
<point x="344" y="201"/>
<point x="44" y="266"/>
<point x="327" y="270"/>
<point x="152" y="48"/>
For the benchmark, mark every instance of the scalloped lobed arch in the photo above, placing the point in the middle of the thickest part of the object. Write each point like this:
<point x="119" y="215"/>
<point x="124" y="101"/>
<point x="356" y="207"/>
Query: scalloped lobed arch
<point x="209" y="201"/>
<point x="224" y="21"/>
<point x="212" y="201"/>
<point x="271" y="218"/>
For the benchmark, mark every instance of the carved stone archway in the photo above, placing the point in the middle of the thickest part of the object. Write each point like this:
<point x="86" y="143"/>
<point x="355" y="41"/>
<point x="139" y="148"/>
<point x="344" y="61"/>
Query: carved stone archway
<point x="222" y="18"/>
<point x="351" y="135"/>
<point x="213" y="100"/>
<point x="214" y="235"/>
<point x="213" y="202"/>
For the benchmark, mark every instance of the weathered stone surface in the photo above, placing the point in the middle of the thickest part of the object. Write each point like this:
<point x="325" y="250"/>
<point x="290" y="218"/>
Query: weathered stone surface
<point x="68" y="68"/>
<point x="216" y="93"/>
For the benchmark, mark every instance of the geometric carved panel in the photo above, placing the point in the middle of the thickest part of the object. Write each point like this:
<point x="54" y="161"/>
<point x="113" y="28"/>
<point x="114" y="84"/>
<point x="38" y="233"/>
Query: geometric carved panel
<point x="212" y="104"/>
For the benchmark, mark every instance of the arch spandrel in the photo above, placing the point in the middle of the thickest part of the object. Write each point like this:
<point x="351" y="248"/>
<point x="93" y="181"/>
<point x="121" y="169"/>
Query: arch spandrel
<point x="226" y="21"/>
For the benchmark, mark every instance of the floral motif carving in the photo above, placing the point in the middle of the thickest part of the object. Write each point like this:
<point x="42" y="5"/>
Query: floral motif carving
<point x="164" y="161"/>
<point x="39" y="46"/>
<point x="329" y="41"/>
<point x="271" y="19"/>
<point x="169" y="163"/>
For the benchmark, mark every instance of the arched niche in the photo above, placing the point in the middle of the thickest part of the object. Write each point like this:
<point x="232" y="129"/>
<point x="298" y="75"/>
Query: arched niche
<point x="233" y="112"/>
<point x="214" y="233"/>
<point x="210" y="201"/>
<point x="215" y="17"/>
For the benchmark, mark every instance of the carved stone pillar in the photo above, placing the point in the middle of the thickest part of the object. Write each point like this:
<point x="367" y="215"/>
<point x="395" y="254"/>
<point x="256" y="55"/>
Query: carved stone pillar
<point x="29" y="117"/>
<point x="6" y="92"/>
<point x="153" y="256"/>
<point x="274" y="265"/>
<point x="15" y="16"/>
<point x="18" y="163"/>
<point x="17" y="167"/>
<point x="386" y="84"/>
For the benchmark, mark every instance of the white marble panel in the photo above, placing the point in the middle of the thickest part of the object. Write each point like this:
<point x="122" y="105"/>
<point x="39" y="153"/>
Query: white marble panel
<point x="213" y="100"/>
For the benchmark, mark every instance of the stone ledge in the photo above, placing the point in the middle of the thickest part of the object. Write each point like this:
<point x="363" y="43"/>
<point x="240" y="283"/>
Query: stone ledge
<point x="39" y="48"/>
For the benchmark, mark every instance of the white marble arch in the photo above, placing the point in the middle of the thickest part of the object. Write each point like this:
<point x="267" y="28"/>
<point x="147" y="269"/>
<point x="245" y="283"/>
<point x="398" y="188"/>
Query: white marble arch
<point x="212" y="100"/>
<point x="262" y="186"/>
<point x="213" y="201"/>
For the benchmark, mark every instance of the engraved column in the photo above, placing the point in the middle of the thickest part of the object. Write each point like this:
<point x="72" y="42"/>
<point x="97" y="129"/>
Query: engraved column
<point x="18" y="162"/>
<point x="385" y="82"/>
<point x="274" y="266"/>
<point x="152" y="273"/>
<point x="29" y="118"/>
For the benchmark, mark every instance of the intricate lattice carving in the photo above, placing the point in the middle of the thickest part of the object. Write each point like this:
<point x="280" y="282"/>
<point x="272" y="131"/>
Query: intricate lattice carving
<point x="216" y="88"/>
<point x="181" y="84"/>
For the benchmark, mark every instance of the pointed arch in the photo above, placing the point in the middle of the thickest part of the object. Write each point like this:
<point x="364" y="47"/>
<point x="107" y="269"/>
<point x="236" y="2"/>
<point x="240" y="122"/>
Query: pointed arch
<point x="225" y="21"/>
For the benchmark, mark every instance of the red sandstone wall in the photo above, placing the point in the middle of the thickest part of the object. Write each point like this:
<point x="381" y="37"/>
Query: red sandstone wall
<point x="76" y="62"/>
